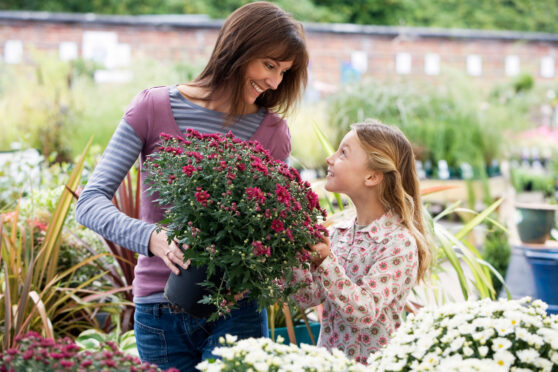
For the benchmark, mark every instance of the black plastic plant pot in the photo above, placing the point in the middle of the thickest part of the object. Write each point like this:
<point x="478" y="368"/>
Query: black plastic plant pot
<point x="185" y="292"/>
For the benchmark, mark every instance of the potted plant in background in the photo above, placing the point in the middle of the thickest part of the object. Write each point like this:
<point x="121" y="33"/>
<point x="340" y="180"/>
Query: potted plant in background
<point x="536" y="206"/>
<point x="535" y="203"/>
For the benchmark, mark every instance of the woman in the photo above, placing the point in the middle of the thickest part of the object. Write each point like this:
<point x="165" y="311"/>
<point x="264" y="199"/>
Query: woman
<point x="256" y="72"/>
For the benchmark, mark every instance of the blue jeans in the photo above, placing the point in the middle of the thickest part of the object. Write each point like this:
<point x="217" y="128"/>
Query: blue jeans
<point x="169" y="338"/>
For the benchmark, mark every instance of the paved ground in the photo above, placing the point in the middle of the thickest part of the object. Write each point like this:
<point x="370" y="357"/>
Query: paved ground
<point x="519" y="277"/>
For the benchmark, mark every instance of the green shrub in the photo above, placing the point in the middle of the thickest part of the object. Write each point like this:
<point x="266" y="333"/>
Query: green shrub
<point x="527" y="179"/>
<point x="455" y="121"/>
<point x="497" y="252"/>
<point x="66" y="107"/>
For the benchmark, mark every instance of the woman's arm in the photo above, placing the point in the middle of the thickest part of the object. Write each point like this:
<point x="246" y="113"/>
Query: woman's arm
<point x="95" y="208"/>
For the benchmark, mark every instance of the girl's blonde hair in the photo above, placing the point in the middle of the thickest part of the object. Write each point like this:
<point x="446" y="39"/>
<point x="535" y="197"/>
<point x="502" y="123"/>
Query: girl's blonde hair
<point x="390" y="153"/>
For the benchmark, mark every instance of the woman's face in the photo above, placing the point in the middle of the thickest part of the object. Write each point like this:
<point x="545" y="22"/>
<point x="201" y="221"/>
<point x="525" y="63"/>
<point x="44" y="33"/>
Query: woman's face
<point x="263" y="74"/>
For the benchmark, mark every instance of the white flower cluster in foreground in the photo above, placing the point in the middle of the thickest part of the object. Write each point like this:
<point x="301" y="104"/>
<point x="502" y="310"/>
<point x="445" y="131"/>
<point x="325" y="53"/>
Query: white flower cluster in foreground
<point x="474" y="336"/>
<point x="262" y="354"/>
<point x="484" y="335"/>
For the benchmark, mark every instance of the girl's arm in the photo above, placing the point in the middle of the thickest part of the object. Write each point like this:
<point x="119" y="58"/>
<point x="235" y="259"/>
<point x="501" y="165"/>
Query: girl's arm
<point x="312" y="294"/>
<point x="387" y="282"/>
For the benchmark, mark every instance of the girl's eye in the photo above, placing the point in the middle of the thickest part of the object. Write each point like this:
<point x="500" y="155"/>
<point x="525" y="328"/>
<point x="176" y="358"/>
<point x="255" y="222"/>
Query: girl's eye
<point x="269" y="66"/>
<point x="343" y="153"/>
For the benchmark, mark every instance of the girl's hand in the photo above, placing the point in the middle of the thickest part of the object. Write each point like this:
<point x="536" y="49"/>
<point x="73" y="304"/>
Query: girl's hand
<point x="322" y="250"/>
<point x="170" y="254"/>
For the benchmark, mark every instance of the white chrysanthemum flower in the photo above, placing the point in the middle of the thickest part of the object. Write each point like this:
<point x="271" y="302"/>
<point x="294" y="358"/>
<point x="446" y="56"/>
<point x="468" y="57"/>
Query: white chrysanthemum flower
<point x="206" y="366"/>
<point x="503" y="327"/>
<point x="528" y="355"/>
<point x="457" y="343"/>
<point x="467" y="351"/>
<point x="504" y="359"/>
<point x="543" y="364"/>
<point x="483" y="351"/>
<point x="466" y="329"/>
<point x="500" y="344"/>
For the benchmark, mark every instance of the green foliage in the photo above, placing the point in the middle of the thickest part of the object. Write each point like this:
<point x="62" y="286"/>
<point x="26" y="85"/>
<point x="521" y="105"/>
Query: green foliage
<point x="454" y="121"/>
<point x="527" y="179"/>
<point x="537" y="16"/>
<point x="523" y="83"/>
<point x="55" y="106"/>
<point x="37" y="106"/>
<point x="19" y="174"/>
<point x="35" y="291"/>
<point x="497" y="252"/>
<point x="95" y="340"/>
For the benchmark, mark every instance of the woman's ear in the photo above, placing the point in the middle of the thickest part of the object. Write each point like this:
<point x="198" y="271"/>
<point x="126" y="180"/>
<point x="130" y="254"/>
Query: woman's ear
<point x="373" y="178"/>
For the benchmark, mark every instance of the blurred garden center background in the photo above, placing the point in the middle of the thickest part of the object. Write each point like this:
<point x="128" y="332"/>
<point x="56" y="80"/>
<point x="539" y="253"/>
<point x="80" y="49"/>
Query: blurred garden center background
<point x="472" y="84"/>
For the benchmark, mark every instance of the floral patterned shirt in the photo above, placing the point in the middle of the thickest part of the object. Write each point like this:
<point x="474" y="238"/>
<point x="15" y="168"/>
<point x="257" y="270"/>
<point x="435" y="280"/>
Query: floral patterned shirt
<point x="363" y="285"/>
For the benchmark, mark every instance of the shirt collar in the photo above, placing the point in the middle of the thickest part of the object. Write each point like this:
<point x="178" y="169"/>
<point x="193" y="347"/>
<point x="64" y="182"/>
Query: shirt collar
<point x="377" y="230"/>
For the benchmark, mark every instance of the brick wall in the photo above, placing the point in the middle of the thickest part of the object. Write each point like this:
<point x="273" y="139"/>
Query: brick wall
<point x="336" y="51"/>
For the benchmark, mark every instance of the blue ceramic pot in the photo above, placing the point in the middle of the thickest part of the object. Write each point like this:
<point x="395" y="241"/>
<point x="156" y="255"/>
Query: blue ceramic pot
<point x="544" y="264"/>
<point x="534" y="221"/>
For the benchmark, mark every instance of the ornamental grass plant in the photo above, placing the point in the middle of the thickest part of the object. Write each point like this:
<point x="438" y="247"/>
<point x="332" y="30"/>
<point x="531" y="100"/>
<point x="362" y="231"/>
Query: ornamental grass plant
<point x="236" y="211"/>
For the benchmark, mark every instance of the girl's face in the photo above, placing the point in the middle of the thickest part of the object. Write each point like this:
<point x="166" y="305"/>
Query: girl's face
<point x="263" y="74"/>
<point x="348" y="169"/>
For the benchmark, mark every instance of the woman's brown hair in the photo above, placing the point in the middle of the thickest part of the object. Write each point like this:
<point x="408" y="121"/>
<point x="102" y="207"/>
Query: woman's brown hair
<point x="256" y="30"/>
<point x="390" y="153"/>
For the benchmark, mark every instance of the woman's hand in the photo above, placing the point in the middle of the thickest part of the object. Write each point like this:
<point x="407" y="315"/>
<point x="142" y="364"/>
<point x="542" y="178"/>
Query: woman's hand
<point x="170" y="254"/>
<point x="321" y="251"/>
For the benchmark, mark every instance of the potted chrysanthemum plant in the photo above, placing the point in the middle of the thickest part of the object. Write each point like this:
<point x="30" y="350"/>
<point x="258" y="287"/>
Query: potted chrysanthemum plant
<point x="243" y="218"/>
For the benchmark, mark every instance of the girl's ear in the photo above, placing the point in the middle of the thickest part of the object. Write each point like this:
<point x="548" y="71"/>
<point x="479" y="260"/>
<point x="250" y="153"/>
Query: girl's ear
<point x="373" y="178"/>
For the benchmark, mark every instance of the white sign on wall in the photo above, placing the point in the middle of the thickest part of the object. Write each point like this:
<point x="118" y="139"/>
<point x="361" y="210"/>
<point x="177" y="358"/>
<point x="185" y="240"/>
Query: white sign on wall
<point x="432" y="64"/>
<point x="403" y="63"/>
<point x="359" y="61"/>
<point x="512" y="65"/>
<point x="13" y="51"/>
<point x="103" y="47"/>
<point x="474" y="65"/>
<point x="547" y="67"/>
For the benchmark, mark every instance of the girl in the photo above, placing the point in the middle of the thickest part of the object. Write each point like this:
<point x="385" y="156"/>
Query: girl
<point x="363" y="277"/>
<point x="257" y="70"/>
